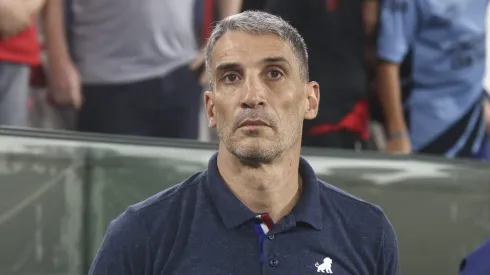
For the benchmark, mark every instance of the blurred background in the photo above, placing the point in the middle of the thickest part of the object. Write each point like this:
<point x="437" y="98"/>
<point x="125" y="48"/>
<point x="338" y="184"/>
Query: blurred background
<point x="101" y="106"/>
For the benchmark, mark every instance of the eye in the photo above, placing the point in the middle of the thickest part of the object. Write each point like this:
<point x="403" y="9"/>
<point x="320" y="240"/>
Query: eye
<point x="274" y="74"/>
<point x="231" y="78"/>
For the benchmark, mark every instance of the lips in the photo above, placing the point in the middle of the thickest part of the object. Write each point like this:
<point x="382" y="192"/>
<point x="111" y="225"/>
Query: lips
<point x="253" y="123"/>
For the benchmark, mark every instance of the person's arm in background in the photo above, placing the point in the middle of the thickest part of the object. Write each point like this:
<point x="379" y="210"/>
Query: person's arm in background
<point x="486" y="112"/>
<point x="399" y="21"/>
<point x="64" y="81"/>
<point x="229" y="7"/>
<point x="33" y="6"/>
<point x="17" y="15"/>
<point x="370" y="19"/>
<point x="390" y="98"/>
<point x="370" y="16"/>
<point x="486" y="79"/>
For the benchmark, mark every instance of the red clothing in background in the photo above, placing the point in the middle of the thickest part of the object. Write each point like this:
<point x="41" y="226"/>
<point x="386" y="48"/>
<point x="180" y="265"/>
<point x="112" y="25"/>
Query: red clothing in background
<point x="22" y="48"/>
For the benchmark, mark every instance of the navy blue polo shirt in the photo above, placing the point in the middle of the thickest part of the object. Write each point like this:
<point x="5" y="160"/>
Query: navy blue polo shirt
<point x="478" y="261"/>
<point x="200" y="227"/>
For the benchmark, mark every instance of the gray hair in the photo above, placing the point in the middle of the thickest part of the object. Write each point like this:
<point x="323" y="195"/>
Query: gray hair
<point x="259" y="23"/>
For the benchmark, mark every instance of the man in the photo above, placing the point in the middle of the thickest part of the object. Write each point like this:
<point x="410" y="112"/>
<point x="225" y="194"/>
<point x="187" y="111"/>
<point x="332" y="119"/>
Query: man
<point x="485" y="150"/>
<point x="441" y="44"/>
<point x="259" y="207"/>
<point x="139" y="66"/>
<point x="19" y="49"/>
<point x="336" y="32"/>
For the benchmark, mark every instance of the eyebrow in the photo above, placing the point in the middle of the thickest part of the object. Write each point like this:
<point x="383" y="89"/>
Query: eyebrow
<point x="276" y="59"/>
<point x="229" y="66"/>
<point x="234" y="66"/>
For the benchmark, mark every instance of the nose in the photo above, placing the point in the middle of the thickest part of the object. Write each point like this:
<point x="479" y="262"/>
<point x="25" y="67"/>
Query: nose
<point x="254" y="93"/>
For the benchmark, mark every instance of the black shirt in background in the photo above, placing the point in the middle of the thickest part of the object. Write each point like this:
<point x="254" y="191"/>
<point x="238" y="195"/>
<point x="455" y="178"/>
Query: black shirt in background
<point x="335" y="41"/>
<point x="253" y="5"/>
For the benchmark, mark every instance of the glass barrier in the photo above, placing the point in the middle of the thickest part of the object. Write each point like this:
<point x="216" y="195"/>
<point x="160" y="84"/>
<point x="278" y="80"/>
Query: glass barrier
<point x="58" y="192"/>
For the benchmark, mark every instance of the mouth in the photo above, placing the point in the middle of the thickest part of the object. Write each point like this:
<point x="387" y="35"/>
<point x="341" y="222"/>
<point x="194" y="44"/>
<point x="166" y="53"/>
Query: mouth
<point x="253" y="124"/>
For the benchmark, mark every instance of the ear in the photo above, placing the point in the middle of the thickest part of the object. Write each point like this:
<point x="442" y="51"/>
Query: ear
<point x="312" y="91"/>
<point x="209" y="104"/>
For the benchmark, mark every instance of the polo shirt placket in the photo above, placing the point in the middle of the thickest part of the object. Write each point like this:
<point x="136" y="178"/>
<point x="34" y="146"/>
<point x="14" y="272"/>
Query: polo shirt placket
<point x="262" y="225"/>
<point x="271" y="237"/>
<point x="268" y="243"/>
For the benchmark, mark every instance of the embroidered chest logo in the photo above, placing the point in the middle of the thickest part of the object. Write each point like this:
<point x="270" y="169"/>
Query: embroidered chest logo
<point x="325" y="267"/>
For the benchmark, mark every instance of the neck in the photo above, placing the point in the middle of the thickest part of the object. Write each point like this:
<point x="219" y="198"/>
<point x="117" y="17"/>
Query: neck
<point x="266" y="188"/>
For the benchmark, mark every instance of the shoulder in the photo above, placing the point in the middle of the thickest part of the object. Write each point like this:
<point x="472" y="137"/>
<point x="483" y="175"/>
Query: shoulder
<point x="156" y="213"/>
<point x="476" y="263"/>
<point x="134" y="236"/>
<point x="163" y="204"/>
<point x="358" y="216"/>
<point x="349" y="202"/>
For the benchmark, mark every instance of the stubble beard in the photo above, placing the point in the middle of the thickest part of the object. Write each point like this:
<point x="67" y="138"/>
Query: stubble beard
<point x="258" y="151"/>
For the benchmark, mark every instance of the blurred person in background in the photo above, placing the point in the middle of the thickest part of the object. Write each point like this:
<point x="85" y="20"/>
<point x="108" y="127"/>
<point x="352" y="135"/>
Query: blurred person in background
<point x="432" y="59"/>
<point x="139" y="66"/>
<point x="336" y="32"/>
<point x="20" y="49"/>
<point x="485" y="150"/>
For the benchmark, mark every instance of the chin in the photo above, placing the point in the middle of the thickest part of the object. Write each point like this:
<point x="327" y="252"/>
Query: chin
<point x="254" y="158"/>
<point x="254" y="144"/>
<point x="255" y="151"/>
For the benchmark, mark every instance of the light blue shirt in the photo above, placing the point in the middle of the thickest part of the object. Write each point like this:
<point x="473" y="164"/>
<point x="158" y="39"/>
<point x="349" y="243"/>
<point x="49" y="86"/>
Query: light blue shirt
<point x="446" y="39"/>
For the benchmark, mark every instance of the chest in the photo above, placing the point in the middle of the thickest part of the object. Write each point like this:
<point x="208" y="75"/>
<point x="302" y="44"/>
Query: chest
<point x="453" y="22"/>
<point x="294" y="252"/>
<point x="451" y="36"/>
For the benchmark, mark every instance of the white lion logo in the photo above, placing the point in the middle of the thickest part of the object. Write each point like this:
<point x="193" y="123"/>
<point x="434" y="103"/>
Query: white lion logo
<point x="326" y="267"/>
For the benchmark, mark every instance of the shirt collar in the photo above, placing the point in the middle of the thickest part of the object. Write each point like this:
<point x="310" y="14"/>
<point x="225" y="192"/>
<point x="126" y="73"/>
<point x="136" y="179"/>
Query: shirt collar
<point x="309" y="209"/>
<point x="234" y="213"/>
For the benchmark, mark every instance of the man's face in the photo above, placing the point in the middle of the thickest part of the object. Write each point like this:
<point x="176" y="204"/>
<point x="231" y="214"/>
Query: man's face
<point x="259" y="100"/>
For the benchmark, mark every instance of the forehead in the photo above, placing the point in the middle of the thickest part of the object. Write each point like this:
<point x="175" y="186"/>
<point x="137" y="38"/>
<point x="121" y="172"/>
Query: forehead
<point x="245" y="48"/>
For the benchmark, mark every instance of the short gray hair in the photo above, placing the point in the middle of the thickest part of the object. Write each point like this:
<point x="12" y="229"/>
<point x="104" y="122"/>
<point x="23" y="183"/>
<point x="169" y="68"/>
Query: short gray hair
<point x="259" y="23"/>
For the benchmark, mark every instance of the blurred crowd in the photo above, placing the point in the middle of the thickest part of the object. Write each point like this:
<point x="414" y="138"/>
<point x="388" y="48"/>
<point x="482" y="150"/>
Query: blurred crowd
<point x="397" y="75"/>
